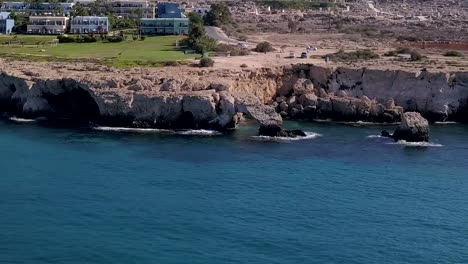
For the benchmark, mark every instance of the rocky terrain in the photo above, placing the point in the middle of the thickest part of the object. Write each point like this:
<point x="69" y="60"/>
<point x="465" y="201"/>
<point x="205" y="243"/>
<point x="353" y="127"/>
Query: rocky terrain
<point x="189" y="97"/>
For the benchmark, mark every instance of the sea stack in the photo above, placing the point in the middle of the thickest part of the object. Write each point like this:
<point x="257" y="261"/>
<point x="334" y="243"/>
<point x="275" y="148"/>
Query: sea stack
<point x="413" y="128"/>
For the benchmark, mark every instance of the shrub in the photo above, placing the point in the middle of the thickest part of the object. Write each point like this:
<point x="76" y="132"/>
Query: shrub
<point x="264" y="47"/>
<point x="134" y="37"/>
<point x="142" y="38"/>
<point x="453" y="53"/>
<point x="88" y="39"/>
<point x="65" y="39"/>
<point x="365" y="54"/>
<point x="243" y="65"/>
<point x="206" y="62"/>
<point x="391" y="53"/>
<point x="171" y="63"/>
<point x="242" y="38"/>
<point x="115" y="39"/>
<point x="403" y="50"/>
<point x="415" y="56"/>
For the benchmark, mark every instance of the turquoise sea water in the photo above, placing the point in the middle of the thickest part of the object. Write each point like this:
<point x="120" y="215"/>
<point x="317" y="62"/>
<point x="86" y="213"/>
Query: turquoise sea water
<point x="84" y="196"/>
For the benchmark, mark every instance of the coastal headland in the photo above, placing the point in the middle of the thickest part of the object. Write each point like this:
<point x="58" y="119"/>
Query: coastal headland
<point x="197" y="98"/>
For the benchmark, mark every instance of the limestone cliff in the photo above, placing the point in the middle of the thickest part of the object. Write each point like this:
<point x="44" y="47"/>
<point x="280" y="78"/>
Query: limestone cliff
<point x="187" y="97"/>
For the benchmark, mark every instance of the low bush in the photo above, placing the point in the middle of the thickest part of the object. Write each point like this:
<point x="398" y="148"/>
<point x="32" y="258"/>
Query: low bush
<point x="242" y="38"/>
<point x="88" y="39"/>
<point x="453" y="53"/>
<point x="365" y="54"/>
<point x="206" y="62"/>
<point x="243" y="65"/>
<point x="142" y="38"/>
<point x="415" y="56"/>
<point x="403" y="50"/>
<point x="65" y="39"/>
<point x="171" y="63"/>
<point x="391" y="53"/>
<point x="115" y="39"/>
<point x="264" y="47"/>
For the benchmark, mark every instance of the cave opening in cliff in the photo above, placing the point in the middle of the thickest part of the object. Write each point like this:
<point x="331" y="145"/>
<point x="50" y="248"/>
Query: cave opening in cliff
<point x="76" y="104"/>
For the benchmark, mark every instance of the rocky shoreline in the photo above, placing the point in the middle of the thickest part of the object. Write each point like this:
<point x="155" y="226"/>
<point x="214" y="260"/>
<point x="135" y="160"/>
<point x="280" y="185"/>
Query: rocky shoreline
<point x="192" y="98"/>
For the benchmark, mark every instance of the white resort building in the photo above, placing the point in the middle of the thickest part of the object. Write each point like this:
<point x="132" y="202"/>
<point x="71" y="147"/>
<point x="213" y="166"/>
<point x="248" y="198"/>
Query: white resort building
<point x="47" y="25"/>
<point x="89" y="24"/>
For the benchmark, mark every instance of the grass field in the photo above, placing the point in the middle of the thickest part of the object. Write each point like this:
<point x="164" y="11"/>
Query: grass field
<point x="153" y="51"/>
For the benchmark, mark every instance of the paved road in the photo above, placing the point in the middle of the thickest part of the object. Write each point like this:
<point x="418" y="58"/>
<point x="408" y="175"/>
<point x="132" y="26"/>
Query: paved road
<point x="218" y="34"/>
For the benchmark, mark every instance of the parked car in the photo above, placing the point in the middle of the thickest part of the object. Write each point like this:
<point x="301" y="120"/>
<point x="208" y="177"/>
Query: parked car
<point x="304" y="55"/>
<point x="291" y="55"/>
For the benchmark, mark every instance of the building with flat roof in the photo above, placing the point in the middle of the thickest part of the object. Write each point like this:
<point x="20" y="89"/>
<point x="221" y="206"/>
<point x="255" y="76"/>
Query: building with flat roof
<point x="47" y="25"/>
<point x="41" y="8"/>
<point x="6" y="23"/>
<point x="170" y="10"/>
<point x="89" y="25"/>
<point x="164" y="26"/>
<point x="123" y="8"/>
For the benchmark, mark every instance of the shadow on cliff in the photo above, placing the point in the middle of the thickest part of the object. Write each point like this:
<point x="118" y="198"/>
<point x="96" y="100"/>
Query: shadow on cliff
<point x="63" y="99"/>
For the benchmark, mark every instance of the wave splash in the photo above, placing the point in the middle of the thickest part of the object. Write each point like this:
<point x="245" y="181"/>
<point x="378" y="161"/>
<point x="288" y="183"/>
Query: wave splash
<point x="132" y="130"/>
<point x="376" y="136"/>
<point x="194" y="132"/>
<point x="415" y="144"/>
<point x="21" y="120"/>
<point x="309" y="135"/>
<point x="200" y="132"/>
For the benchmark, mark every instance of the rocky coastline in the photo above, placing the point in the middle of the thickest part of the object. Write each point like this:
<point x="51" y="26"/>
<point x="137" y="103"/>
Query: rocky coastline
<point x="218" y="99"/>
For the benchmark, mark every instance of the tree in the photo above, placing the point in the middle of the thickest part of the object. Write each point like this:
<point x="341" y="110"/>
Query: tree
<point x="79" y="10"/>
<point x="218" y="15"/>
<point x="21" y="22"/>
<point x="195" y="18"/>
<point x="35" y="4"/>
<point x="205" y="44"/>
<point x="196" y="31"/>
<point x="264" y="47"/>
<point x="55" y="4"/>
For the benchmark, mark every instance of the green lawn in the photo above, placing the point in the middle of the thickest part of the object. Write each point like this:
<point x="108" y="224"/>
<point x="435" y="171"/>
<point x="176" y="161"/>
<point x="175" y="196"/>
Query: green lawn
<point x="151" y="51"/>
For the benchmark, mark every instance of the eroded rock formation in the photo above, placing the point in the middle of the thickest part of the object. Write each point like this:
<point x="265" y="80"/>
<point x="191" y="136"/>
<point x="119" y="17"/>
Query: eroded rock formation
<point x="413" y="128"/>
<point x="186" y="97"/>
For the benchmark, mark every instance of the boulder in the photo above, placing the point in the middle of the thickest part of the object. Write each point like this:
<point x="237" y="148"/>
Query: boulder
<point x="303" y="86"/>
<point x="308" y="100"/>
<point x="413" y="128"/>
<point x="273" y="130"/>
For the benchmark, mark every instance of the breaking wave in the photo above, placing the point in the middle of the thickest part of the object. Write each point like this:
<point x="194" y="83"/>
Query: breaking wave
<point x="415" y="144"/>
<point x="309" y="135"/>
<point x="21" y="120"/>
<point x="376" y="136"/>
<point x="132" y="130"/>
<point x="200" y="132"/>
<point x="445" y="123"/>
<point x="197" y="132"/>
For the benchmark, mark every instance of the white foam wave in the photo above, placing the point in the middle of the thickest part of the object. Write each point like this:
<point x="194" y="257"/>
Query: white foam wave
<point x="445" y="123"/>
<point x="132" y="130"/>
<point x="375" y="136"/>
<point x="309" y="135"/>
<point x="21" y="120"/>
<point x="416" y="144"/>
<point x="200" y="132"/>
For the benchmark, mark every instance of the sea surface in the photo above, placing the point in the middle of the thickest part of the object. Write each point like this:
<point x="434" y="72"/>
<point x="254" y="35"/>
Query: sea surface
<point x="343" y="195"/>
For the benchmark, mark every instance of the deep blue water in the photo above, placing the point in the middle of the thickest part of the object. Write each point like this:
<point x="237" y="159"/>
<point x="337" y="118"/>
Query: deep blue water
<point x="82" y="196"/>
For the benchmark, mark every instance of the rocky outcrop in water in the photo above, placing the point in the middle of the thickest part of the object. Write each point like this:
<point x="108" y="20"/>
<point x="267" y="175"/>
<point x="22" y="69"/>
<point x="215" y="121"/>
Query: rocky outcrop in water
<point x="413" y="128"/>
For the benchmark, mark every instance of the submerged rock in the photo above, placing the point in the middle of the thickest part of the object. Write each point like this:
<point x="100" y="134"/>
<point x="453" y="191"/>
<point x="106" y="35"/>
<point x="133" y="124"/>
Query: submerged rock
<point x="413" y="128"/>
